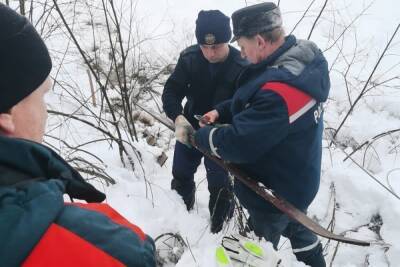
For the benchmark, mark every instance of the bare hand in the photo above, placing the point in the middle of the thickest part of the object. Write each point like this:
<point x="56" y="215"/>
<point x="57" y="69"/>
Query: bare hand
<point x="209" y="118"/>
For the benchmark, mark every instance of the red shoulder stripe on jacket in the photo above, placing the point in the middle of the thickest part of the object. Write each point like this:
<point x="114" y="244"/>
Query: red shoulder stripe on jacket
<point x="62" y="248"/>
<point x="112" y="214"/>
<point x="298" y="102"/>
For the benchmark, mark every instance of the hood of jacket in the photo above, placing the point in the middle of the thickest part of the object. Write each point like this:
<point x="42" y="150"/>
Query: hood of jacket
<point x="299" y="63"/>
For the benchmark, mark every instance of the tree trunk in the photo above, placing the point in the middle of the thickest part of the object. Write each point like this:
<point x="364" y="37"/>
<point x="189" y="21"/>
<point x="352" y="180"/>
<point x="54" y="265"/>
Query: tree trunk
<point x="21" y="7"/>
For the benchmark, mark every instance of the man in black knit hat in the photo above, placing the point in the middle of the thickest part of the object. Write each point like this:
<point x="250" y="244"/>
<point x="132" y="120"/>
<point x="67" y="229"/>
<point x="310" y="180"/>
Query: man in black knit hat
<point x="36" y="227"/>
<point x="205" y="75"/>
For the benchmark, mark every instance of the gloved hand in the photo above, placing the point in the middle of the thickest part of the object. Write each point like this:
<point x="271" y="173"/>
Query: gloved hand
<point x="249" y="252"/>
<point x="183" y="130"/>
<point x="209" y="118"/>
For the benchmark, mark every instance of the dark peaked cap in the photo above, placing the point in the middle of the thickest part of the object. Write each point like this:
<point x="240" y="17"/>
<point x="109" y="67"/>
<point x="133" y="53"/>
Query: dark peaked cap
<point x="249" y="21"/>
<point x="24" y="60"/>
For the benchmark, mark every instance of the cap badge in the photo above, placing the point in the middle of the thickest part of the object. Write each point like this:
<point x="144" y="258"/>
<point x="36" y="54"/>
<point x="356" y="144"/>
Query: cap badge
<point x="209" y="38"/>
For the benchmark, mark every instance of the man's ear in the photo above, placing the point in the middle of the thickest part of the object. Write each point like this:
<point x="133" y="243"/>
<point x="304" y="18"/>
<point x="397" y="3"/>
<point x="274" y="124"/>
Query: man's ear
<point x="260" y="41"/>
<point x="7" y="126"/>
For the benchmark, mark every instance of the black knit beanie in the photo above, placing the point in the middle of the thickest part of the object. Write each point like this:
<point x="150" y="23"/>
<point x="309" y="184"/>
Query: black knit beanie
<point x="24" y="59"/>
<point x="212" y="27"/>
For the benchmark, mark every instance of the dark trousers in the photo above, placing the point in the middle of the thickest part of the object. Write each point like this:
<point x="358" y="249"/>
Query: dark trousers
<point x="185" y="164"/>
<point x="304" y="243"/>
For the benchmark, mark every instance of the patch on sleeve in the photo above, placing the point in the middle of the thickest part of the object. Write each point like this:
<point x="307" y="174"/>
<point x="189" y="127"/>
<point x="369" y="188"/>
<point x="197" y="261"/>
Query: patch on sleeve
<point x="297" y="102"/>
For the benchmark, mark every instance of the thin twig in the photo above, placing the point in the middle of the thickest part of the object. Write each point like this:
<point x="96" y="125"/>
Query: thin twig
<point x="367" y="172"/>
<point x="316" y="20"/>
<point x="366" y="83"/>
<point x="372" y="140"/>
<point x="303" y="16"/>
<point x="87" y="61"/>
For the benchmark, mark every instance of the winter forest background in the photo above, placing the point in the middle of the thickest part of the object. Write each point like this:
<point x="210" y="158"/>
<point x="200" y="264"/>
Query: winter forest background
<point x="110" y="55"/>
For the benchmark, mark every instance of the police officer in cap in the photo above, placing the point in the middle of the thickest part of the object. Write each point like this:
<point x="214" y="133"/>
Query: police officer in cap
<point x="275" y="130"/>
<point x="205" y="75"/>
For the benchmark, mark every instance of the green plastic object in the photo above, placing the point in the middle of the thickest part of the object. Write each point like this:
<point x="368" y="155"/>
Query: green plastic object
<point x="253" y="248"/>
<point x="222" y="257"/>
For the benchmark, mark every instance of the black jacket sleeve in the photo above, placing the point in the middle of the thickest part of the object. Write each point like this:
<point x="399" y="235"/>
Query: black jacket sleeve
<point x="175" y="90"/>
<point x="224" y="112"/>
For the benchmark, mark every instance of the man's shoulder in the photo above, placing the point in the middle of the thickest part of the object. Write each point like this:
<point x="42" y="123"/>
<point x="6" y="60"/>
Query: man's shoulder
<point x="193" y="49"/>
<point x="99" y="215"/>
<point x="87" y="227"/>
<point x="101" y="221"/>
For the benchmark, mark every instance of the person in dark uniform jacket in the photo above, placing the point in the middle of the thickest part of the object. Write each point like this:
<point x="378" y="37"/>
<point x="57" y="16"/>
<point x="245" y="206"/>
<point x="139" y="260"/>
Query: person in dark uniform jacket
<point x="275" y="129"/>
<point x="205" y="75"/>
<point x="37" y="228"/>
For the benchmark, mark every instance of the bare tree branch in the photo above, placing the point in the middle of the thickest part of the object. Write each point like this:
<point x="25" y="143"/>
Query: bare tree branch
<point x="316" y="20"/>
<point x="367" y="82"/>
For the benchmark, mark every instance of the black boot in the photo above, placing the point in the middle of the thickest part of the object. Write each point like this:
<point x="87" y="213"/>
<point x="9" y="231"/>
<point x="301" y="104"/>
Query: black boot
<point x="221" y="207"/>
<point x="186" y="191"/>
<point x="313" y="258"/>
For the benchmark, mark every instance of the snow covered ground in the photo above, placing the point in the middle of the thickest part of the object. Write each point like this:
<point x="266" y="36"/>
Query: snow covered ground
<point x="349" y="201"/>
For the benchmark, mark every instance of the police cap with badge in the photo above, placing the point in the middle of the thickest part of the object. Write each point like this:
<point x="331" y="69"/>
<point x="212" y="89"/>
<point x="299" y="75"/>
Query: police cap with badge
<point x="212" y="27"/>
<point x="251" y="20"/>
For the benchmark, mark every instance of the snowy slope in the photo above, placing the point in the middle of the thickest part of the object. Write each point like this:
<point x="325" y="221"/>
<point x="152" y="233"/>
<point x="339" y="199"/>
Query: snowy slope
<point x="348" y="199"/>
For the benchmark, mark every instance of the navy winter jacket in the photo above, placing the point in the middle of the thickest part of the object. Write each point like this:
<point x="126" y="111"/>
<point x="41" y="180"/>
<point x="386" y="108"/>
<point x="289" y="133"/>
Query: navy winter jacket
<point x="38" y="229"/>
<point x="203" y="84"/>
<point x="276" y="125"/>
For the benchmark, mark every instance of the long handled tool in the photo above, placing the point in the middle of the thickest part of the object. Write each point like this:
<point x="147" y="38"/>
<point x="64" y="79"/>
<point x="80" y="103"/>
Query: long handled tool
<point x="268" y="194"/>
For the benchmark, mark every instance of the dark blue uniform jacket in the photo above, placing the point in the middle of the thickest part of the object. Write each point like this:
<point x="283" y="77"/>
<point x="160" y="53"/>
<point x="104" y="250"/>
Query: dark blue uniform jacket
<point x="203" y="84"/>
<point x="275" y="128"/>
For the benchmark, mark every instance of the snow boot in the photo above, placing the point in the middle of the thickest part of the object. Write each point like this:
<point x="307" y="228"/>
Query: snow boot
<point x="221" y="207"/>
<point x="313" y="258"/>
<point x="186" y="191"/>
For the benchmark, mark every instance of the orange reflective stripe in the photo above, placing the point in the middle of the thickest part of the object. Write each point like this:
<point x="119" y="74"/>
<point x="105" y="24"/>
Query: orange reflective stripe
<point x="62" y="248"/>
<point x="297" y="102"/>
<point x="112" y="214"/>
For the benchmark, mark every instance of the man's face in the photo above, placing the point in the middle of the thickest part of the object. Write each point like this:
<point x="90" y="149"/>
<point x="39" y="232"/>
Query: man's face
<point x="249" y="49"/>
<point x="215" y="53"/>
<point x="27" y="119"/>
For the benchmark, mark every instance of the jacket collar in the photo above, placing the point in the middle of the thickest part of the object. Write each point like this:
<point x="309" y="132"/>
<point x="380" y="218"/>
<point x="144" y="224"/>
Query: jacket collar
<point x="289" y="42"/>
<point x="22" y="161"/>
